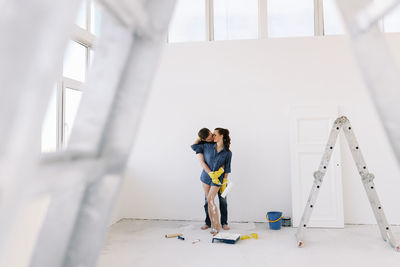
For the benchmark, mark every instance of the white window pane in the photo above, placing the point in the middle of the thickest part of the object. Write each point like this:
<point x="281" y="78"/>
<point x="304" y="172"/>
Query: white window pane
<point x="235" y="19"/>
<point x="91" y="57"/>
<point x="188" y="22"/>
<point x="392" y="21"/>
<point x="81" y="20"/>
<point x="49" y="126"/>
<point x="72" y="100"/>
<point x="95" y="18"/>
<point x="290" y="18"/>
<point x="333" y="23"/>
<point x="75" y="62"/>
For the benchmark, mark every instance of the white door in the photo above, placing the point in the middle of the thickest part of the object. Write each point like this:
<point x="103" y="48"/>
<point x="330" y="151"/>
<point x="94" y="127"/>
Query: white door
<point x="310" y="128"/>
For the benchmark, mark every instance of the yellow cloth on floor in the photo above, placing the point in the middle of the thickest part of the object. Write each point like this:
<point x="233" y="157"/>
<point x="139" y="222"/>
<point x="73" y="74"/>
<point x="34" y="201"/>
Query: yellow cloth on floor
<point x="252" y="235"/>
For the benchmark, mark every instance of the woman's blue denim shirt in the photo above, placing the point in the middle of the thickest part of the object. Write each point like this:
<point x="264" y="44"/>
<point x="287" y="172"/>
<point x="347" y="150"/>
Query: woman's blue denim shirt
<point x="213" y="159"/>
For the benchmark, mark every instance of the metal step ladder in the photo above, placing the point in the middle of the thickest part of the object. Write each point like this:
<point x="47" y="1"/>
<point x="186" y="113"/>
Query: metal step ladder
<point x="342" y="123"/>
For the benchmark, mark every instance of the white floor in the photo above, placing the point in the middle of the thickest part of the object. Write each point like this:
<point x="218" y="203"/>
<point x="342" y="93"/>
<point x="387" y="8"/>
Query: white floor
<point x="142" y="243"/>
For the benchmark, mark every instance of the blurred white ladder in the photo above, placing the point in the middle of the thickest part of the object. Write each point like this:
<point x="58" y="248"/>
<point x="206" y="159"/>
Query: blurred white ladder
<point x="81" y="183"/>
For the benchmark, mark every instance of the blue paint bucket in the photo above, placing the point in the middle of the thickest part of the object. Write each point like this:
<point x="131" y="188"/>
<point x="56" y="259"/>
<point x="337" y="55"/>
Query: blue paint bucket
<point x="275" y="220"/>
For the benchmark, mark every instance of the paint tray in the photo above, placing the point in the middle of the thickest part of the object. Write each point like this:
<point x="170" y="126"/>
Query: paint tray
<point x="229" y="238"/>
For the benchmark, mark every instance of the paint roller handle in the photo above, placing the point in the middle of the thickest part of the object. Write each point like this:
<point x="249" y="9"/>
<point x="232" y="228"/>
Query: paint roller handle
<point x="173" y="235"/>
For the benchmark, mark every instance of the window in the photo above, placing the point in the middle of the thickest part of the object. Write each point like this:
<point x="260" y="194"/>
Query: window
<point x="235" y="19"/>
<point x="290" y="18"/>
<point x="71" y="104"/>
<point x="332" y="19"/>
<point x="82" y="20"/>
<point x="95" y="18"/>
<point x="75" y="61"/>
<point x="49" y="126"/>
<point x="188" y="22"/>
<point x="64" y="103"/>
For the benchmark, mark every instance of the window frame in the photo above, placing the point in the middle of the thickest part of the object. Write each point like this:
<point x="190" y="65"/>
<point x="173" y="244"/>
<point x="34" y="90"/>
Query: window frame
<point x="262" y="19"/>
<point x="86" y="38"/>
<point x="211" y="27"/>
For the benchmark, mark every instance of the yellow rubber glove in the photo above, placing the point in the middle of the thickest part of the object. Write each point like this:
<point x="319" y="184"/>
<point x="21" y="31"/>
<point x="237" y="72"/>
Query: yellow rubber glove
<point x="223" y="186"/>
<point x="215" y="175"/>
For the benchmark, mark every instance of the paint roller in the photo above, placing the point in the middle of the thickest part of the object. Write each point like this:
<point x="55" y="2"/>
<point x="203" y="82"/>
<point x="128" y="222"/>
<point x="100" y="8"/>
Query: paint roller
<point x="227" y="189"/>
<point x="173" y="235"/>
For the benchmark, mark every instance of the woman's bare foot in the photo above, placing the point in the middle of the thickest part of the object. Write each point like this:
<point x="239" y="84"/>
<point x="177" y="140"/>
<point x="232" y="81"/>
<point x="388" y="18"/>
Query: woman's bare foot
<point x="213" y="231"/>
<point x="225" y="227"/>
<point x="205" y="227"/>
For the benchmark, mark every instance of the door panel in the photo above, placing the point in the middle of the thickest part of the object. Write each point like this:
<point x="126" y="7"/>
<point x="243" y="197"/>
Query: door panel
<point x="310" y="131"/>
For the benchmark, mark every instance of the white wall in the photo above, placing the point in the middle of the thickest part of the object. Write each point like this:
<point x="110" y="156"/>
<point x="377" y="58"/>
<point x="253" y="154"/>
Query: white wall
<point x="249" y="87"/>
